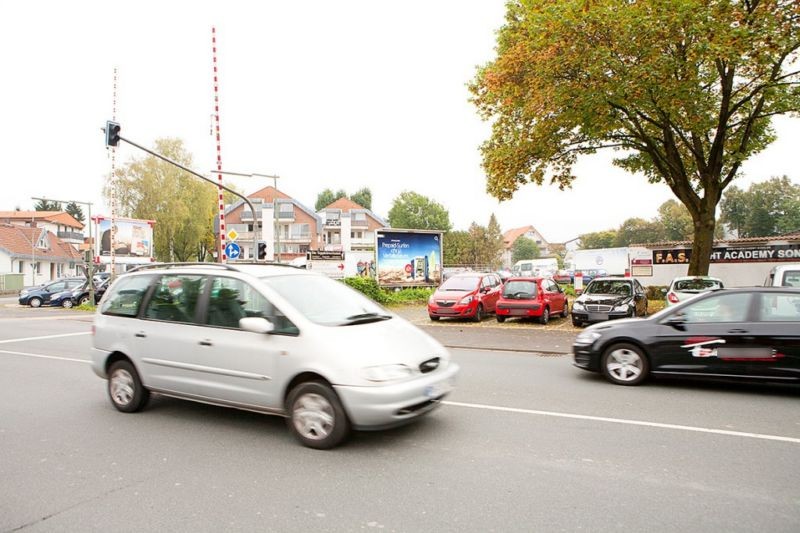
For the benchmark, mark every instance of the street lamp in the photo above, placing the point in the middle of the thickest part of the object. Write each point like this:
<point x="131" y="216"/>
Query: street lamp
<point x="90" y="265"/>
<point x="275" y="225"/>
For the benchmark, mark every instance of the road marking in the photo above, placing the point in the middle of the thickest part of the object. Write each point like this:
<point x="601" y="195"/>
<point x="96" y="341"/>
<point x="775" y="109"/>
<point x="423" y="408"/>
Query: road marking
<point x="40" y="356"/>
<point x="626" y="421"/>
<point x="22" y="339"/>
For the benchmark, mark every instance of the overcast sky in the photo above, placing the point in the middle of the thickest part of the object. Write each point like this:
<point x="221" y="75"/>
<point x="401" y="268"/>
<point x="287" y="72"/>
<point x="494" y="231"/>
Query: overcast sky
<point x="326" y="94"/>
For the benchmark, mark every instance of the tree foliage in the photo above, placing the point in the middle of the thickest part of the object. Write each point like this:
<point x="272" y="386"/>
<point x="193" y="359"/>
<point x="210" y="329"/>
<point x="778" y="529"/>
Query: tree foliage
<point x="363" y="197"/>
<point x="598" y="239"/>
<point x="456" y="248"/>
<point x="183" y="206"/>
<point x="327" y="197"/>
<point x="480" y="246"/>
<point x="46" y="205"/>
<point x="414" y="211"/>
<point x="684" y="88"/>
<point x="768" y="208"/>
<point x="75" y="210"/>
<point x="524" y="248"/>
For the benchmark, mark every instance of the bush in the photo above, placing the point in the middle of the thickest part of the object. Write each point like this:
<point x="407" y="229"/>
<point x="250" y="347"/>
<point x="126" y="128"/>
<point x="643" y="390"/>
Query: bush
<point x="370" y="288"/>
<point x="654" y="292"/>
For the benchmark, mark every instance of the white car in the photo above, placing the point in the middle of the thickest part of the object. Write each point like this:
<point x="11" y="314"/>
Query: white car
<point x="784" y="276"/>
<point x="267" y="338"/>
<point x="685" y="287"/>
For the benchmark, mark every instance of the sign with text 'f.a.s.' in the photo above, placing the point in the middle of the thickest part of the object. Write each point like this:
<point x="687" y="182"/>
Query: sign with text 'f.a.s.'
<point x="730" y="254"/>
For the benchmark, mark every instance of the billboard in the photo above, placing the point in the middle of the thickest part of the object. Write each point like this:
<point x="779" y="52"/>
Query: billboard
<point x="408" y="258"/>
<point x="133" y="240"/>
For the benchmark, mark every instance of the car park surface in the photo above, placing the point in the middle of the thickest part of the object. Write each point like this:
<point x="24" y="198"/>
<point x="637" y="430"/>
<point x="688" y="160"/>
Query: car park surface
<point x="466" y="295"/>
<point x="609" y="298"/>
<point x="271" y="339"/>
<point x="531" y="297"/>
<point x="746" y="333"/>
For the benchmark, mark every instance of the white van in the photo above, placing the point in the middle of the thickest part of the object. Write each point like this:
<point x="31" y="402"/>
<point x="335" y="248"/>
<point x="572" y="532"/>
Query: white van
<point x="545" y="266"/>
<point x="784" y="276"/>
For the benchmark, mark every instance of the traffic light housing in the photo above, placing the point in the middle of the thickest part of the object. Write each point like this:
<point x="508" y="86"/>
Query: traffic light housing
<point x="262" y="250"/>
<point x="112" y="133"/>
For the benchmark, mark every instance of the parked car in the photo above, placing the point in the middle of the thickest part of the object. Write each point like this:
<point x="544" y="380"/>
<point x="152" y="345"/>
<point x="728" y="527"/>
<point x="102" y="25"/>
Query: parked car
<point x="747" y="333"/>
<point x="531" y="298"/>
<point x="589" y="274"/>
<point x="267" y="338"/>
<point x="564" y="276"/>
<point x="38" y="296"/>
<point x="607" y="298"/>
<point x="504" y="274"/>
<point x="79" y="295"/>
<point x="467" y="295"/>
<point x="685" y="287"/>
<point x="783" y="276"/>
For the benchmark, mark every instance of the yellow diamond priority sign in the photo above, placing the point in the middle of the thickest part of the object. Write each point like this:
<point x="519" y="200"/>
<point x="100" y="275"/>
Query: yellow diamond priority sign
<point x="232" y="235"/>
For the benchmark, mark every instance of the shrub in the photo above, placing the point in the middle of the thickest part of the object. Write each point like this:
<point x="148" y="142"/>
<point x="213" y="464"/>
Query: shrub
<point x="370" y="288"/>
<point x="654" y="292"/>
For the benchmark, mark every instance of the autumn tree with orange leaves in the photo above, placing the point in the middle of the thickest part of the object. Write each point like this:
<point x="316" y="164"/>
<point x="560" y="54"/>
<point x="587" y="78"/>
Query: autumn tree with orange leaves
<point x="684" y="90"/>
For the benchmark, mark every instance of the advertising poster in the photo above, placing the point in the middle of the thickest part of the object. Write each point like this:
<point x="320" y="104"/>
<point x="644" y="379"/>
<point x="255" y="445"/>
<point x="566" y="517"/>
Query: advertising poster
<point x="408" y="258"/>
<point x="133" y="240"/>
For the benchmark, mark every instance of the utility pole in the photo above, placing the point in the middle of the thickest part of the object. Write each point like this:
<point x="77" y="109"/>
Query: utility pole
<point x="90" y="262"/>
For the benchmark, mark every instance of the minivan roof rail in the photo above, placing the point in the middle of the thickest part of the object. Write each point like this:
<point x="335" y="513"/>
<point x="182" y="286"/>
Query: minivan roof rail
<point x="225" y="266"/>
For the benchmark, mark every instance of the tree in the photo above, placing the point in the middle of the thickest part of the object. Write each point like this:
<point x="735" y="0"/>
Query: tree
<point x="327" y="197"/>
<point x="524" y="248"/>
<point x="768" y="208"/>
<point x="76" y="211"/>
<point x="598" y="239"/>
<point x="638" y="231"/>
<point x="456" y="248"/>
<point x="183" y="206"/>
<point x="363" y="197"/>
<point x="494" y="243"/>
<point x="684" y="88"/>
<point x="414" y="211"/>
<point x="45" y="205"/>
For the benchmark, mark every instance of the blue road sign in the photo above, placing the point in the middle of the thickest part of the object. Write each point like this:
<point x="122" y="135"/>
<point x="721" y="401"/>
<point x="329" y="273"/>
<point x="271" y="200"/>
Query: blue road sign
<point x="233" y="250"/>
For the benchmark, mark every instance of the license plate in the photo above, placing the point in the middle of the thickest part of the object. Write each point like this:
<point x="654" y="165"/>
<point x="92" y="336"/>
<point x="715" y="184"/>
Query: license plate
<point x="598" y="316"/>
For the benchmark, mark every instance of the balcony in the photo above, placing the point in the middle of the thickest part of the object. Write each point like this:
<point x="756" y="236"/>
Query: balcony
<point x="70" y="235"/>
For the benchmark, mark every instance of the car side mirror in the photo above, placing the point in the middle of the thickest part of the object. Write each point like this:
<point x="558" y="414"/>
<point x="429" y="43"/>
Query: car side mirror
<point x="256" y="324"/>
<point x="677" y="321"/>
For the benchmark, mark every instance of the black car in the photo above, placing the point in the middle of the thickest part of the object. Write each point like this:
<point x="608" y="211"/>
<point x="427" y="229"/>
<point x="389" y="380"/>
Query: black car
<point x="751" y="333"/>
<point x="609" y="297"/>
<point x="79" y="295"/>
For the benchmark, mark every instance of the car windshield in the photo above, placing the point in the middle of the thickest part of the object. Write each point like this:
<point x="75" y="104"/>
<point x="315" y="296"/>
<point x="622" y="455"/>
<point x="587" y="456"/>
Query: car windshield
<point x="325" y="301"/>
<point x="460" y="283"/>
<point x="697" y="285"/>
<point x="519" y="289"/>
<point x="609" y="286"/>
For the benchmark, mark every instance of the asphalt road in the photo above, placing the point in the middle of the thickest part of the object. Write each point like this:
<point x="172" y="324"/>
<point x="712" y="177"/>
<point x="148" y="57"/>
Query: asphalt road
<point x="527" y="442"/>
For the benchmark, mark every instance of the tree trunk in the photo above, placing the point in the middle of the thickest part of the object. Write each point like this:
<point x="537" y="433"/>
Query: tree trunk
<point x="704" y="224"/>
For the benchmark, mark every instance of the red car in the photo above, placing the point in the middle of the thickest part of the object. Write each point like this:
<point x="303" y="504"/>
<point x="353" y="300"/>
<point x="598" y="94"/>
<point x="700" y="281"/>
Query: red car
<point x="466" y="295"/>
<point x="531" y="297"/>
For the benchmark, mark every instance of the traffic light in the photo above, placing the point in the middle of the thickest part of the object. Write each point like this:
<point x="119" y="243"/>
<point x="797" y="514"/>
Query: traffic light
<point x="112" y="133"/>
<point x="262" y="250"/>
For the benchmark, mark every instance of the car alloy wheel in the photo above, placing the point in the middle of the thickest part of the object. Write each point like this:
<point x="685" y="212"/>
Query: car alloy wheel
<point x="66" y="304"/>
<point x="35" y="302"/>
<point x="545" y="318"/>
<point x="125" y="389"/>
<point x="316" y="416"/>
<point x="478" y="313"/>
<point x="625" y="364"/>
<point x="84" y="300"/>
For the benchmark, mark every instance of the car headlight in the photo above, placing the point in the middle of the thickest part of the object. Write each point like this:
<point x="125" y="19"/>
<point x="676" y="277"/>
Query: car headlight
<point x="466" y="300"/>
<point x="385" y="372"/>
<point x="23" y="293"/>
<point x="587" y="337"/>
<point x="623" y="307"/>
<point x="430" y="300"/>
<point x="578" y="306"/>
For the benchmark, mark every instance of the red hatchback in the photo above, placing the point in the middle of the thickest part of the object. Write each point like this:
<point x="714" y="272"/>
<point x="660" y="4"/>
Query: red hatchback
<point x="466" y="295"/>
<point x="531" y="297"/>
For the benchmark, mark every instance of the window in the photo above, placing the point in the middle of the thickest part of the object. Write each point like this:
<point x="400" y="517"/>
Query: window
<point x="126" y="296"/>
<point x="20" y="266"/>
<point x="285" y="208"/>
<point x="232" y="299"/>
<point x="361" y="217"/>
<point x="780" y="307"/>
<point x="175" y="298"/>
<point x="791" y="278"/>
<point x="719" y="308"/>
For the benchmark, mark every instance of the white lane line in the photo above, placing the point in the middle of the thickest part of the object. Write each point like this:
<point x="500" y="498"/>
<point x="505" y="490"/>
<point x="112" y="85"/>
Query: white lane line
<point x="626" y="421"/>
<point x="40" y="356"/>
<point x="23" y="339"/>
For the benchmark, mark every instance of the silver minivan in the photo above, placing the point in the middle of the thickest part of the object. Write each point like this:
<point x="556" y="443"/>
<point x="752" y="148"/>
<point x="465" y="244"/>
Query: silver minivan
<point x="267" y="338"/>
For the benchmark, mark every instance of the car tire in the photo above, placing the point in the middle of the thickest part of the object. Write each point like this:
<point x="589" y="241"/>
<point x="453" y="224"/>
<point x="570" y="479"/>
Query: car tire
<point x="316" y="417"/>
<point x="478" y="313"/>
<point x="35" y="302"/>
<point x="84" y="300"/>
<point x="434" y="318"/>
<point x="625" y="364"/>
<point x="565" y="311"/>
<point x="500" y="319"/>
<point x="545" y="317"/>
<point x="577" y="323"/>
<point x="67" y="303"/>
<point x="125" y="388"/>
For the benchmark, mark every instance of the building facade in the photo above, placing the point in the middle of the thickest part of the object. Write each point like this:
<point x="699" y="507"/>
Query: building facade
<point x="37" y="253"/>
<point x="511" y="236"/>
<point x="348" y="227"/>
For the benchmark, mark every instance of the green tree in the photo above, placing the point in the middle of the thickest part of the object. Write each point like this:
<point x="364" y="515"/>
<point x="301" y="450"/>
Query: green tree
<point x="363" y="197"/>
<point x="327" y="197"/>
<point x="675" y="221"/>
<point x="413" y="211"/>
<point x="598" y="239"/>
<point x="45" y="205"/>
<point x="684" y="88"/>
<point x="456" y="248"/>
<point x="76" y="211"/>
<point x="524" y="248"/>
<point x="183" y="206"/>
<point x="494" y="243"/>
<point x="639" y="231"/>
<point x="768" y="208"/>
<point x="733" y="209"/>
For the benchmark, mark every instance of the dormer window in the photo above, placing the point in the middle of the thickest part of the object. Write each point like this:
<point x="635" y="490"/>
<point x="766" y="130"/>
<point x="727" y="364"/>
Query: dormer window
<point x="43" y="244"/>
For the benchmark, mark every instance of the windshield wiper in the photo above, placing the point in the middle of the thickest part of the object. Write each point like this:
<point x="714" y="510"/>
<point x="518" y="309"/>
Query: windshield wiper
<point x="365" y="318"/>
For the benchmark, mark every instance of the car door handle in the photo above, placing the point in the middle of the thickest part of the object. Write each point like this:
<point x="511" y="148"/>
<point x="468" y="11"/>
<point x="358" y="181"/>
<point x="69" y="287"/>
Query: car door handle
<point x="140" y="334"/>
<point x="205" y="342"/>
<point x="737" y="330"/>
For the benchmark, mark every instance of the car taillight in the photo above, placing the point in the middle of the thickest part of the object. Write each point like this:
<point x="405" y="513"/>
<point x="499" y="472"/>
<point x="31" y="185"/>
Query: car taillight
<point x="672" y="298"/>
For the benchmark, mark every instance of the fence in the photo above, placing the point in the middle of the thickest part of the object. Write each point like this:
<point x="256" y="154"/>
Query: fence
<point x="10" y="283"/>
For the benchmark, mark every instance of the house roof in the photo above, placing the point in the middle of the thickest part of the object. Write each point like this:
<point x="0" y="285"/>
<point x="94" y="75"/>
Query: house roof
<point x="269" y="195"/>
<point x="348" y="205"/>
<point x="510" y="236"/>
<point x="18" y="241"/>
<point x="55" y="217"/>
<point x="793" y="237"/>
